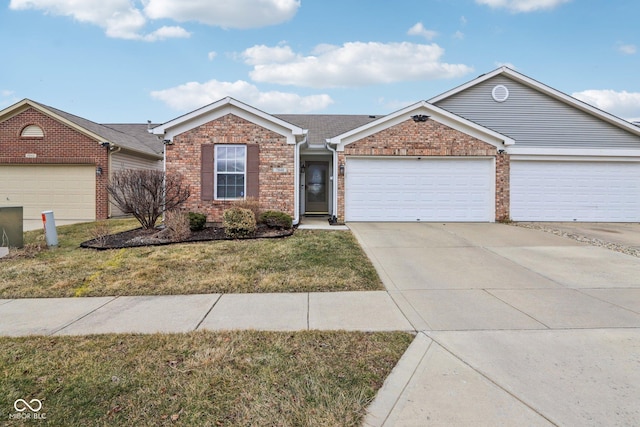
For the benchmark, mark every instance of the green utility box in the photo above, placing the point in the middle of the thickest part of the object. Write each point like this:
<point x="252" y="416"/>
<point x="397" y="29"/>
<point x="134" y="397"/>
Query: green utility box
<point x="11" y="227"/>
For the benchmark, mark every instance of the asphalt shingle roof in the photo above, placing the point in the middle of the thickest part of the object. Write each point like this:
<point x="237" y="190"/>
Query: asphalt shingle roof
<point x="323" y="126"/>
<point x="130" y="136"/>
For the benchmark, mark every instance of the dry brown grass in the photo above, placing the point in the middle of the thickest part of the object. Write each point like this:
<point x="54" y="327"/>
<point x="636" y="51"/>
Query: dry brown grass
<point x="245" y="378"/>
<point x="308" y="261"/>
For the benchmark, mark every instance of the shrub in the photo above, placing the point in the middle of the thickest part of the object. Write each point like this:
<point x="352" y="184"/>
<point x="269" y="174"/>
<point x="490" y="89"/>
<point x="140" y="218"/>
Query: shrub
<point x="251" y="203"/>
<point x="176" y="222"/>
<point x="238" y="222"/>
<point x="147" y="194"/>
<point x="197" y="221"/>
<point x="276" y="219"/>
<point x="100" y="233"/>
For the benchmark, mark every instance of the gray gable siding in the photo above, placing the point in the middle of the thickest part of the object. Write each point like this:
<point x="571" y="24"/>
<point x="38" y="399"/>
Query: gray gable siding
<point x="535" y="119"/>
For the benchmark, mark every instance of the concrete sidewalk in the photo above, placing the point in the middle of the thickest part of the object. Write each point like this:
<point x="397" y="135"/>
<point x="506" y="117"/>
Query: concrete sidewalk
<point x="362" y="311"/>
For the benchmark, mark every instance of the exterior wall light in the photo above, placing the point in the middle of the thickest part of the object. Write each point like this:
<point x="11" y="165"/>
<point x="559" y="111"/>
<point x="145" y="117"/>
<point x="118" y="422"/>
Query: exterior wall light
<point x="341" y="168"/>
<point x="99" y="171"/>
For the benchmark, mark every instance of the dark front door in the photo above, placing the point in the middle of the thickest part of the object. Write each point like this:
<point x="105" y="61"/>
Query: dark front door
<point x="316" y="188"/>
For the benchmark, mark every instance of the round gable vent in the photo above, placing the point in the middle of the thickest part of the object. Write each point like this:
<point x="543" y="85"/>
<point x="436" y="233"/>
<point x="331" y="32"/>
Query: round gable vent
<point x="500" y="93"/>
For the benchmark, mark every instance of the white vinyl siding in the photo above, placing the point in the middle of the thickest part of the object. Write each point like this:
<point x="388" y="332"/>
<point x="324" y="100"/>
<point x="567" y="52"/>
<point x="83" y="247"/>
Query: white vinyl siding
<point x="121" y="161"/>
<point x="584" y="191"/>
<point x="412" y="189"/>
<point x="535" y="119"/>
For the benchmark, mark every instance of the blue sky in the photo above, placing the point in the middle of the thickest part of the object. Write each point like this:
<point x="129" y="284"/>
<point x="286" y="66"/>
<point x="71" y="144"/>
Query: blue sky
<point x="124" y="61"/>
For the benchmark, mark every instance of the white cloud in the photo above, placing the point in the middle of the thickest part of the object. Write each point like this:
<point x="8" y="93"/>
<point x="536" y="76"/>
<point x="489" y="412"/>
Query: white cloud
<point x="224" y="13"/>
<point x="627" y="49"/>
<point x="119" y="18"/>
<point x="622" y="104"/>
<point x="518" y="6"/>
<point x="122" y="19"/>
<point x="194" y="95"/>
<point x="211" y="55"/>
<point x="458" y="35"/>
<point x="352" y="64"/>
<point x="419" y="30"/>
<point x="262" y="54"/>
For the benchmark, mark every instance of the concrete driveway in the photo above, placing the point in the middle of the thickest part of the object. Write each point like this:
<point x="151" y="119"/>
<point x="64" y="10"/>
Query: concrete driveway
<point x="519" y="327"/>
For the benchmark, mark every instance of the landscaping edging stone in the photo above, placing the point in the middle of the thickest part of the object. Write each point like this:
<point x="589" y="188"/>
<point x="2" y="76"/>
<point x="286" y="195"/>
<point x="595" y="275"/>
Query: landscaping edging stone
<point x="583" y="239"/>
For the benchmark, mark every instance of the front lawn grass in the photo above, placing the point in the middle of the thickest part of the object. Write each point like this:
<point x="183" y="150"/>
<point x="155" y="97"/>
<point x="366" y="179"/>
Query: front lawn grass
<point x="308" y="261"/>
<point x="202" y="378"/>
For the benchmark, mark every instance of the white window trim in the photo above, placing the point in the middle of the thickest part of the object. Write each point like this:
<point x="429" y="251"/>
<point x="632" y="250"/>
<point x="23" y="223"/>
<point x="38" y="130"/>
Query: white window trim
<point x="215" y="172"/>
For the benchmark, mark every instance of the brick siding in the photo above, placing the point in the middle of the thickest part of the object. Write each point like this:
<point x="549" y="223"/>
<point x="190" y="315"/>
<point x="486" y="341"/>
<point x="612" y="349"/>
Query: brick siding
<point x="61" y="144"/>
<point x="428" y="138"/>
<point x="276" y="189"/>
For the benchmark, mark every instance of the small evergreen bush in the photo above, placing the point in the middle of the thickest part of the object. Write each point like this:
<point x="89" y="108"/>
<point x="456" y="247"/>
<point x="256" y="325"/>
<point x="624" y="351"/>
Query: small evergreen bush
<point x="251" y="203"/>
<point x="239" y="223"/>
<point x="197" y="221"/>
<point x="276" y="219"/>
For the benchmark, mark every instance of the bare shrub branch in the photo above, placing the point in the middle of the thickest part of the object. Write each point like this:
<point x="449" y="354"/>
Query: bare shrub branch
<point x="146" y="194"/>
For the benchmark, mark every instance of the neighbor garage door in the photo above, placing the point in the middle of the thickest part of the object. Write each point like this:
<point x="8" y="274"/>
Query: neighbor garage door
<point x="68" y="190"/>
<point x="412" y="189"/>
<point x="575" y="191"/>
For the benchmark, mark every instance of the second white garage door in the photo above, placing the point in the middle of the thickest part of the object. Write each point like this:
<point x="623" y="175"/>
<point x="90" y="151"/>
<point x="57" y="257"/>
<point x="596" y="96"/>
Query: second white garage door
<point x="68" y="190"/>
<point x="411" y="189"/>
<point x="575" y="191"/>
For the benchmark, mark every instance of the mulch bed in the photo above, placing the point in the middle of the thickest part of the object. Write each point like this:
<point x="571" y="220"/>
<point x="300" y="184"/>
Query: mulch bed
<point x="157" y="237"/>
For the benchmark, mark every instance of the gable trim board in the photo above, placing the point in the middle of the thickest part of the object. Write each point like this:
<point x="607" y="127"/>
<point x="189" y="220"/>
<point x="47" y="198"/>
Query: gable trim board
<point x="221" y="108"/>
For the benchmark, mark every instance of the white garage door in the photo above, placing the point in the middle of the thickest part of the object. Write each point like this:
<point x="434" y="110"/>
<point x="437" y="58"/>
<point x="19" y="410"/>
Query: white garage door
<point x="575" y="191"/>
<point x="411" y="189"/>
<point x="68" y="190"/>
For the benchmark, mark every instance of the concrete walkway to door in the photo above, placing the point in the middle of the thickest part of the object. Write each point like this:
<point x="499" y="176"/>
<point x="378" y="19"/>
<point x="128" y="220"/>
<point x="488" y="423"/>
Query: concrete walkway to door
<point x="517" y="327"/>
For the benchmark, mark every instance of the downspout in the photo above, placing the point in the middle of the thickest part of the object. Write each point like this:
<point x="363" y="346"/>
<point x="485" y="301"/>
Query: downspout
<point x="334" y="195"/>
<point x="110" y="154"/>
<point x="296" y="180"/>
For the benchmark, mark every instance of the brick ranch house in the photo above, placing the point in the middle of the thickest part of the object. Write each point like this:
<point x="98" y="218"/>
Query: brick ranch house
<point x="53" y="160"/>
<point x="502" y="146"/>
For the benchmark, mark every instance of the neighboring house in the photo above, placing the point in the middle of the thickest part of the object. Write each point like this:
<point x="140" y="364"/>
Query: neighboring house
<point x="500" y="147"/>
<point x="53" y="160"/>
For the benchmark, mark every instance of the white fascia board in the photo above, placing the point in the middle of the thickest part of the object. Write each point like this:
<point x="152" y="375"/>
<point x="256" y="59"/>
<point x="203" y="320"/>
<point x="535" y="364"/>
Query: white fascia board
<point x="535" y="152"/>
<point x="548" y="90"/>
<point x="467" y="85"/>
<point x="19" y="107"/>
<point x="435" y="113"/>
<point x="229" y="106"/>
